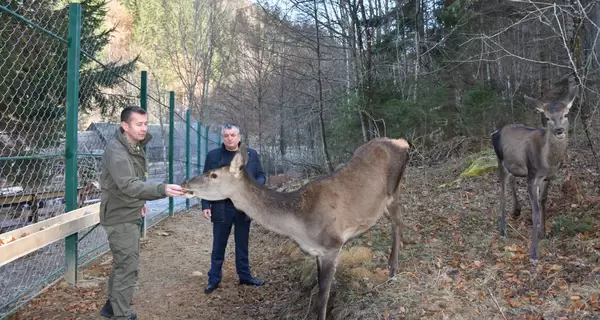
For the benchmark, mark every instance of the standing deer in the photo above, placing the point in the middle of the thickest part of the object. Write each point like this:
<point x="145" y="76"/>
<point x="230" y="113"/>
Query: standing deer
<point x="534" y="153"/>
<point x="323" y="215"/>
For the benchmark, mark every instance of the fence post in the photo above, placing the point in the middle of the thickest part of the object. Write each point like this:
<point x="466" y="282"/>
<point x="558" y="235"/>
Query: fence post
<point x="71" y="136"/>
<point x="206" y="141"/>
<point x="144" y="105"/>
<point x="171" y="148"/>
<point x="199" y="149"/>
<point x="219" y="143"/>
<point x="188" y="124"/>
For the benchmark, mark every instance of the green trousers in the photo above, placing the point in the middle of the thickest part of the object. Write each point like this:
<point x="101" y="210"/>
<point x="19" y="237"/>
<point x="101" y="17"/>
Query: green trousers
<point x="124" y="243"/>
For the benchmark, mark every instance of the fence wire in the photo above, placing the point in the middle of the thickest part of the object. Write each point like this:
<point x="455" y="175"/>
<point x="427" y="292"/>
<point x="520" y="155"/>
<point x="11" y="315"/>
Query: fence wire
<point x="33" y="78"/>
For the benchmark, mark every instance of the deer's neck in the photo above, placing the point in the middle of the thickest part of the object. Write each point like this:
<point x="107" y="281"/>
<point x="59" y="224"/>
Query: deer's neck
<point x="277" y="211"/>
<point x="554" y="149"/>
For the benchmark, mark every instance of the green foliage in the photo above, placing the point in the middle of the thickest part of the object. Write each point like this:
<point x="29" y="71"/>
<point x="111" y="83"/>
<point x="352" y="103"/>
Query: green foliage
<point x="479" y="109"/>
<point x="344" y="132"/>
<point x="481" y="166"/>
<point x="392" y="116"/>
<point x="572" y="224"/>
<point x="450" y="16"/>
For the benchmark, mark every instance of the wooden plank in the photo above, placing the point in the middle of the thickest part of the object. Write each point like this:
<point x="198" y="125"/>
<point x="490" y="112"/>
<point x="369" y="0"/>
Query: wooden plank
<point x="16" y="199"/>
<point x="33" y="228"/>
<point x="20" y="198"/>
<point x="23" y="246"/>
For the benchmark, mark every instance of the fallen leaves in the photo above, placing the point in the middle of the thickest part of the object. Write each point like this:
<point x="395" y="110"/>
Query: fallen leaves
<point x="7" y="239"/>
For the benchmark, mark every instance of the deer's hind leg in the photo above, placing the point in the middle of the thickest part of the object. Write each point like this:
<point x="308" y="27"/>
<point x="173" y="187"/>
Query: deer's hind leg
<point x="516" y="203"/>
<point x="502" y="175"/>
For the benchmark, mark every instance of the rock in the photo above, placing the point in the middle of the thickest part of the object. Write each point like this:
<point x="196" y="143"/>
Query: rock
<point x="481" y="166"/>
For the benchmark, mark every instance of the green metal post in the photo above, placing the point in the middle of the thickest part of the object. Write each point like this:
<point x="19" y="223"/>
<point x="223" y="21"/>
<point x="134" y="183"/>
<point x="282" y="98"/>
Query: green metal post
<point x="206" y="141"/>
<point x="71" y="135"/>
<point x="171" y="147"/>
<point x="144" y="91"/>
<point x="219" y="143"/>
<point x="199" y="149"/>
<point x="188" y="124"/>
<point x="144" y="105"/>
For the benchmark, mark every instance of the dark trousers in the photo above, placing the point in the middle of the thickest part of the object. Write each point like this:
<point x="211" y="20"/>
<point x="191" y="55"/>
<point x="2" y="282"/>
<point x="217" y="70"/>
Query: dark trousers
<point x="221" y="231"/>
<point x="124" y="243"/>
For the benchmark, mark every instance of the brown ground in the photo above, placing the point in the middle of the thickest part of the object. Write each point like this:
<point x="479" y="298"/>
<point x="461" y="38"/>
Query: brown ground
<point x="452" y="267"/>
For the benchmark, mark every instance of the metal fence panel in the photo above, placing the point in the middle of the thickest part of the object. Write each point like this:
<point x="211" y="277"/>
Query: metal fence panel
<point x="33" y="104"/>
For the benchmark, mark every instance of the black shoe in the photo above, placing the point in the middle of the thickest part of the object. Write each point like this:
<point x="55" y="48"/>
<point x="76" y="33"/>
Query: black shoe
<point x="211" y="287"/>
<point x="252" y="282"/>
<point x="107" y="311"/>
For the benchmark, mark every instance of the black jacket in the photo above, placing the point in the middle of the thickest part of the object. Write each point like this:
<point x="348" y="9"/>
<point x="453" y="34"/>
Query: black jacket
<point x="219" y="157"/>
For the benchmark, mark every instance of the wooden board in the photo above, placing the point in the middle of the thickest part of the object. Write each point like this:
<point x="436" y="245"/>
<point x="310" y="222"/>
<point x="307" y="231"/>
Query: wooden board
<point x="46" y="232"/>
<point x="29" y="197"/>
<point x="33" y="228"/>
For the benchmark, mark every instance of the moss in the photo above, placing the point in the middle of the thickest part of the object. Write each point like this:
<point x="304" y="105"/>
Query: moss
<point x="481" y="166"/>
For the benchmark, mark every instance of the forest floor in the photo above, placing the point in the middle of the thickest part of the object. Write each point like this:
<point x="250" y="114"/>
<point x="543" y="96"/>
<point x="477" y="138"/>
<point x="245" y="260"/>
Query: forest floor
<point x="452" y="266"/>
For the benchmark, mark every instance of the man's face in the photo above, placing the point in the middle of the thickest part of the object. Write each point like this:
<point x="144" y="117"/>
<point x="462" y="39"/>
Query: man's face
<point x="231" y="138"/>
<point x="137" y="127"/>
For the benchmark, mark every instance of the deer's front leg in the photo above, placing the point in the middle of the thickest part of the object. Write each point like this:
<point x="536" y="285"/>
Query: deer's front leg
<point x="326" y="266"/>
<point x="502" y="175"/>
<point x="533" y="188"/>
<point x="544" y="185"/>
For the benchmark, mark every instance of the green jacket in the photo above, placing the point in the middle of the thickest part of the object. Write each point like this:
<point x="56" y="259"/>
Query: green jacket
<point x="123" y="181"/>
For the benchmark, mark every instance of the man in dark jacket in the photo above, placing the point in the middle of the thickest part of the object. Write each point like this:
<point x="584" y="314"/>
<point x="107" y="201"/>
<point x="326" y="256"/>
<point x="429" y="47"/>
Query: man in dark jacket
<point x="223" y="214"/>
<point x="123" y="206"/>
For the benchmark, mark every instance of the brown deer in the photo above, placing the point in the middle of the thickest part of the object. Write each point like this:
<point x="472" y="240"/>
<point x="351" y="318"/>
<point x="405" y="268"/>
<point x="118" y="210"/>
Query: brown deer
<point x="534" y="153"/>
<point x="324" y="214"/>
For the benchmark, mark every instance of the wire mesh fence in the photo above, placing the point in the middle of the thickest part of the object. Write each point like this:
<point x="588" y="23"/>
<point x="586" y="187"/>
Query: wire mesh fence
<point x="33" y="139"/>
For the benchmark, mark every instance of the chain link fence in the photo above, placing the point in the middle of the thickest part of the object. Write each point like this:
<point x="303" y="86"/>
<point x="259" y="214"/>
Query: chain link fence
<point x="33" y="135"/>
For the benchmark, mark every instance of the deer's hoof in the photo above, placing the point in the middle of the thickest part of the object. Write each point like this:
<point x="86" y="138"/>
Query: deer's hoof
<point x="516" y="212"/>
<point x="503" y="236"/>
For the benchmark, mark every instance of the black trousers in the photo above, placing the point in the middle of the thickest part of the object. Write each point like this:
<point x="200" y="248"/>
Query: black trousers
<point x="224" y="216"/>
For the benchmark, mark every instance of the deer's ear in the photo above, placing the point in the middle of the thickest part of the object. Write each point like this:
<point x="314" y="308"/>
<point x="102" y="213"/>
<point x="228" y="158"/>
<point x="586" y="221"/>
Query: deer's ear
<point x="239" y="160"/>
<point x="537" y="104"/>
<point x="573" y="92"/>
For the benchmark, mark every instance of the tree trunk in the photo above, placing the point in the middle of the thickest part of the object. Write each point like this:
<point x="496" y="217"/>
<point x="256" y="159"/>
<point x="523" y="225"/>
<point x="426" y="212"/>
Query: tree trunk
<point x="328" y="164"/>
<point x="368" y="84"/>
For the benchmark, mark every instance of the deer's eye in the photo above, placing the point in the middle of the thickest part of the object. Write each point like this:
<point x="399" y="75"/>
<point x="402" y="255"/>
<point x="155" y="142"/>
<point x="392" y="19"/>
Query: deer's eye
<point x="213" y="175"/>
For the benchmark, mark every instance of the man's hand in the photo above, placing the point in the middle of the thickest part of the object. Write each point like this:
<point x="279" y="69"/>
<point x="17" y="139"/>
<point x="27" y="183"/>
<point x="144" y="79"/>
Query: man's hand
<point x="144" y="210"/>
<point x="173" y="190"/>
<point x="206" y="213"/>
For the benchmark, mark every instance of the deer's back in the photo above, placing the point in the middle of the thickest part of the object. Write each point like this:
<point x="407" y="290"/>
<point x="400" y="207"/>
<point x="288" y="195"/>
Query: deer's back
<point x="351" y="200"/>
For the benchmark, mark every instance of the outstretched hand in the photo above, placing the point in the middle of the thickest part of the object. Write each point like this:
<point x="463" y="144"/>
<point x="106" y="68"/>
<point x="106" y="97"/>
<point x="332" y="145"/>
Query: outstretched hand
<point x="173" y="190"/>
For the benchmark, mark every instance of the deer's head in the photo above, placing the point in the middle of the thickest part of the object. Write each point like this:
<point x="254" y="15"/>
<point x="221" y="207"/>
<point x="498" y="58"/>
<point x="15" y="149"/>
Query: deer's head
<point x="556" y="112"/>
<point x="220" y="183"/>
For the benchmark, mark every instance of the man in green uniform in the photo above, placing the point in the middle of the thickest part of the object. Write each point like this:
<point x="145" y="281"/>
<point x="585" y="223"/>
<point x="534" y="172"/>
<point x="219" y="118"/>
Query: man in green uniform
<point x="123" y="206"/>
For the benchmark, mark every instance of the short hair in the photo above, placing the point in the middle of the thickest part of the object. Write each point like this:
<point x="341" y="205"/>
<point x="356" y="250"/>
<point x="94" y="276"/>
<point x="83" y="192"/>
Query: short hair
<point x="230" y="126"/>
<point x="128" y="111"/>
